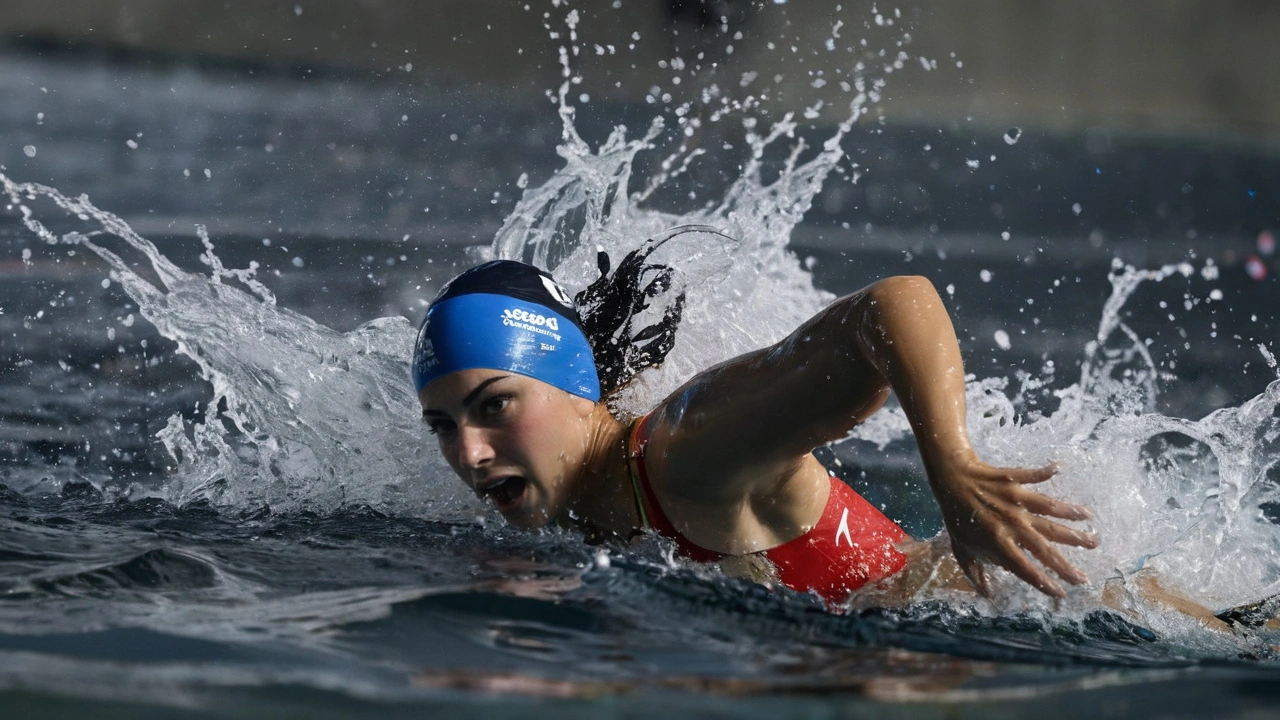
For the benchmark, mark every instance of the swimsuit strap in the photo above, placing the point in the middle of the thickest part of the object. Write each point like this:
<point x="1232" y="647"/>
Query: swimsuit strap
<point x="650" y="510"/>
<point x="635" y="456"/>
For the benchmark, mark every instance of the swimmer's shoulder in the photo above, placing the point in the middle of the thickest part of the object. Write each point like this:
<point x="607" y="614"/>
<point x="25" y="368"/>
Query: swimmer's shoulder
<point x="689" y="460"/>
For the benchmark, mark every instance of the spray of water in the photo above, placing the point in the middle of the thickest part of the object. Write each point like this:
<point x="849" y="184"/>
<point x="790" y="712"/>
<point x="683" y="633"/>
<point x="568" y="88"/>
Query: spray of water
<point x="1187" y="498"/>
<point x="303" y="417"/>
<point x="300" y="416"/>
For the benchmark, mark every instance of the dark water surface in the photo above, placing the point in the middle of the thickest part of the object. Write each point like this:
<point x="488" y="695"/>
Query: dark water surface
<point x="143" y="604"/>
<point x="116" y="603"/>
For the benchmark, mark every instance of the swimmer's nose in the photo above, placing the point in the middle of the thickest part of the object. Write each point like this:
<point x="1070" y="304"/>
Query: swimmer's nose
<point x="474" y="449"/>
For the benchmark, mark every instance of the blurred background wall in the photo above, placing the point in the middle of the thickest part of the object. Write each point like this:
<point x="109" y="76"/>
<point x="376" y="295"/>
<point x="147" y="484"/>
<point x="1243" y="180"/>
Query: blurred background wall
<point x="1155" y="66"/>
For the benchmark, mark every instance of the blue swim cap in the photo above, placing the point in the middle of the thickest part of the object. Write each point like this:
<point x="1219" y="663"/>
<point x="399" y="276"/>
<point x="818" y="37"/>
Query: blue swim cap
<point x="506" y="315"/>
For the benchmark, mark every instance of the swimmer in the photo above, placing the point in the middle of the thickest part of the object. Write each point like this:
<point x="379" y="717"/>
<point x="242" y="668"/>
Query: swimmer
<point x="517" y="396"/>
<point x="508" y="382"/>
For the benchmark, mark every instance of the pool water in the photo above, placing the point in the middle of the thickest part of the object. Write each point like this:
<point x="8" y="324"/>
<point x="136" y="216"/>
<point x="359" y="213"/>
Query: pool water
<point x="216" y="497"/>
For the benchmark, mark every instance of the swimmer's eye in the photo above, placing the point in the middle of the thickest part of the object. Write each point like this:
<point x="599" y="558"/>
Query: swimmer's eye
<point x="495" y="405"/>
<point x="437" y="426"/>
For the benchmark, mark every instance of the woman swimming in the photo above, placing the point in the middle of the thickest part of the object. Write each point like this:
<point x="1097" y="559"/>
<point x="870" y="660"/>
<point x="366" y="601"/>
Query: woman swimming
<point x="724" y="465"/>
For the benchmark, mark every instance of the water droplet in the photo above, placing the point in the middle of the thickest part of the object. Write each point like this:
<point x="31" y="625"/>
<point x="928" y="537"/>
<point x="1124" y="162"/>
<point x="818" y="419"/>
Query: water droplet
<point x="1266" y="354"/>
<point x="1266" y="242"/>
<point x="1256" y="269"/>
<point x="1012" y="135"/>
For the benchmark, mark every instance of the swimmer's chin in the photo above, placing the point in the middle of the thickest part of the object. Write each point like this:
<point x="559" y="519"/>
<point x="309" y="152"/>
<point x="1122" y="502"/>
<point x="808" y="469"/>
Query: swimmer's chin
<point x="520" y="502"/>
<point x="528" y="518"/>
<point x="528" y="513"/>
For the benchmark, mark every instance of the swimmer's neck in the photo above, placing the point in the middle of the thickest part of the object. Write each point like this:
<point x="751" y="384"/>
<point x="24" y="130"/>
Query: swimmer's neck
<point x="601" y="495"/>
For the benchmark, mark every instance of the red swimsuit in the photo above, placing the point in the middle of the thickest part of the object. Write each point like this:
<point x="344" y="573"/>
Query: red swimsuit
<point x="852" y="544"/>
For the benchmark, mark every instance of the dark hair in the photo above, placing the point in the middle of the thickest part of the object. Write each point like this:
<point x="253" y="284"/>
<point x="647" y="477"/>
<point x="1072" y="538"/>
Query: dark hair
<point x="609" y="307"/>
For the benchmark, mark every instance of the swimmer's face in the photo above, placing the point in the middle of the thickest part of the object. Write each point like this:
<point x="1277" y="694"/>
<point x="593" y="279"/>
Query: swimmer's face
<point x="515" y="441"/>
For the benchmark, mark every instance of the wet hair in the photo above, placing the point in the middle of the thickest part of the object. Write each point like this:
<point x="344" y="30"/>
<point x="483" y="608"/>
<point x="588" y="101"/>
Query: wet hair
<point x="609" y="308"/>
<point x="603" y="316"/>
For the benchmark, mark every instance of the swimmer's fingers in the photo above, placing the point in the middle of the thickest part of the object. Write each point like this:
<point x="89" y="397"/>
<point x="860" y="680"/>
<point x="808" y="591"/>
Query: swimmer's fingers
<point x="1043" y="505"/>
<point x="1051" y="557"/>
<point x="1017" y="562"/>
<point x="1015" y="553"/>
<point x="974" y="571"/>
<point x="1031" y="476"/>
<point x="995" y="517"/>
<point x="1063" y="535"/>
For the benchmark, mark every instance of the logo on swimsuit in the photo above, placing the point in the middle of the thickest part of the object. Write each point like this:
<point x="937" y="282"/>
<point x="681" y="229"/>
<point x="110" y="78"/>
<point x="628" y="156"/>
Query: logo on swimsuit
<point x="843" y="530"/>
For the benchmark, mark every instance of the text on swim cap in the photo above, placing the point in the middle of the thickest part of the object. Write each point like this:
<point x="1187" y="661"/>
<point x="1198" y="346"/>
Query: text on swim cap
<point x="524" y="316"/>
<point x="533" y="322"/>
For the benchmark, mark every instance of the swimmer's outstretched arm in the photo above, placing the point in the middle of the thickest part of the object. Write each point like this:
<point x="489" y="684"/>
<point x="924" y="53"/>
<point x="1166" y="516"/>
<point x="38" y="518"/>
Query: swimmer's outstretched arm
<point x="749" y="425"/>
<point x="904" y="331"/>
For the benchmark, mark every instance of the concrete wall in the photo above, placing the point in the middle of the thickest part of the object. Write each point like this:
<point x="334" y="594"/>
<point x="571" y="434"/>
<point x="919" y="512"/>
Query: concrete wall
<point x="1164" y="66"/>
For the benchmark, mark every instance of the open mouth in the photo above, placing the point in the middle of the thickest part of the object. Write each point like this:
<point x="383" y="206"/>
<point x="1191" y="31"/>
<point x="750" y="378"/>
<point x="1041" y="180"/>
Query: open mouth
<point x="506" y="492"/>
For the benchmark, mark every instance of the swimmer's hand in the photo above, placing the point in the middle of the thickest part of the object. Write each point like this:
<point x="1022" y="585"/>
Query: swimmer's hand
<point x="993" y="517"/>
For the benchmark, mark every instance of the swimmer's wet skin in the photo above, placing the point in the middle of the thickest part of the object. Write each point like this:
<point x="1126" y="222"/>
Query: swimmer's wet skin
<point x="723" y="466"/>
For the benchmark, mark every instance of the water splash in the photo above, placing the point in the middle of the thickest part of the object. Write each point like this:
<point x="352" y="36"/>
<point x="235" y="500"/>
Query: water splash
<point x="751" y="290"/>
<point x="1194" y="499"/>
<point x="300" y="416"/>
